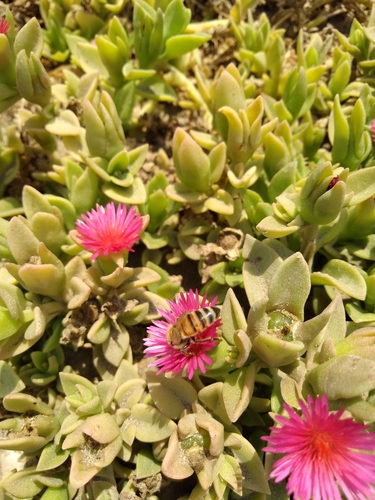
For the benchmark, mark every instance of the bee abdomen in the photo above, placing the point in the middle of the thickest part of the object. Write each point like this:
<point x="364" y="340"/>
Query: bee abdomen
<point x="197" y="321"/>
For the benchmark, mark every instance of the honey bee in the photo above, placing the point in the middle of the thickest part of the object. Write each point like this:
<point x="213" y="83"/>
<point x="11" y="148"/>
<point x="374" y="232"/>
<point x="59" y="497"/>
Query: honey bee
<point x="182" y="334"/>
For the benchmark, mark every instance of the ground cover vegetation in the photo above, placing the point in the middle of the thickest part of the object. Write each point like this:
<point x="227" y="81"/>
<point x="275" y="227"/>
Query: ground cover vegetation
<point x="187" y="244"/>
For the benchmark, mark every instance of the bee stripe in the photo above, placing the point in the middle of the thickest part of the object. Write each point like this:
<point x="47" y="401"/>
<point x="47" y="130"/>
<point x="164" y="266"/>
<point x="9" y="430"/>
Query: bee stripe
<point x="209" y="316"/>
<point x="200" y="316"/>
<point x="213" y="313"/>
<point x="193" y="324"/>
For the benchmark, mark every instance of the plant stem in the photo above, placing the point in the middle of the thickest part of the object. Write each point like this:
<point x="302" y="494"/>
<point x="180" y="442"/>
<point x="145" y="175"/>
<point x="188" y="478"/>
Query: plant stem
<point x="308" y="246"/>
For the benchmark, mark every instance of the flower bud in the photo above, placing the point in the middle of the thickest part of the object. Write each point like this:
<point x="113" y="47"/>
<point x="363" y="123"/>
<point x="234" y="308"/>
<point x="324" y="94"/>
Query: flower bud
<point x="323" y="195"/>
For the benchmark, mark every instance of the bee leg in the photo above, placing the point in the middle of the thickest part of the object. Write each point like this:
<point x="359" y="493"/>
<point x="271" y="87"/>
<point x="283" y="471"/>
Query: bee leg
<point x="192" y="340"/>
<point x="185" y="348"/>
<point x="197" y="341"/>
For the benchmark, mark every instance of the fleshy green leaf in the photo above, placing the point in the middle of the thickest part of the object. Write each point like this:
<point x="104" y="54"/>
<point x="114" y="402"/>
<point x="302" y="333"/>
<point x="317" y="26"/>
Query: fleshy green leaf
<point x="182" y="44"/>
<point x="343" y="276"/>
<point x="151" y="424"/>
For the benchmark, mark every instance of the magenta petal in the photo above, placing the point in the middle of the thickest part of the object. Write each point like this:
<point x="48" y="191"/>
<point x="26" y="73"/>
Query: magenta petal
<point x="325" y="455"/>
<point x="173" y="360"/>
<point x="109" y="230"/>
<point x="4" y="26"/>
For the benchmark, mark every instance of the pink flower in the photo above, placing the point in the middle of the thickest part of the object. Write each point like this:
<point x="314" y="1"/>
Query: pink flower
<point x="194" y="354"/>
<point x="107" y="230"/>
<point x="333" y="182"/>
<point x="4" y="26"/>
<point x="325" y="456"/>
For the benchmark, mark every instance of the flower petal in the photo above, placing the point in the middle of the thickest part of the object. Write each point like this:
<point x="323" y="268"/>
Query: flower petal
<point x="325" y="455"/>
<point x="109" y="230"/>
<point x="194" y="356"/>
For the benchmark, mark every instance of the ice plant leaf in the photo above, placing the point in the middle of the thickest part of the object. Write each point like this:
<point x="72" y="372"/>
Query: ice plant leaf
<point x="344" y="276"/>
<point x="147" y="465"/>
<point x="22" y="242"/>
<point x="182" y="44"/>
<point x="45" y="279"/>
<point x="171" y="396"/>
<point x="129" y="393"/>
<point x="273" y="228"/>
<point x="362" y="183"/>
<point x="9" y="380"/>
<point x="227" y="91"/>
<point x="259" y="268"/>
<point x="212" y="397"/>
<point x="339" y="132"/>
<point x="21" y="403"/>
<point x="290" y="286"/>
<point x="343" y="377"/>
<point x="233" y="316"/>
<point x="84" y="191"/>
<point x="134" y="193"/>
<point x="151" y="424"/>
<point x="66" y="123"/>
<point x="51" y="457"/>
<point x="175" y="465"/>
<point x="192" y="164"/>
<point x="325" y="455"/>
<point x="70" y="383"/>
<point x="276" y="351"/>
<point x="221" y="202"/>
<point x="30" y="38"/>
<point x="238" y="390"/>
<point x="254" y="476"/>
<point x="21" y="484"/>
<point x="97" y="442"/>
<point x="329" y="324"/>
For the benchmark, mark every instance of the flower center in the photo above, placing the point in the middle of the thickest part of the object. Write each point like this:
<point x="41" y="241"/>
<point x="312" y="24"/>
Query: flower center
<point x="321" y="444"/>
<point x="114" y="240"/>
